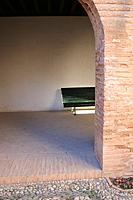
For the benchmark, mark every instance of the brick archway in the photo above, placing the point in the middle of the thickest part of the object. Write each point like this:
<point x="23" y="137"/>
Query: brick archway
<point x="99" y="75"/>
<point x="112" y="21"/>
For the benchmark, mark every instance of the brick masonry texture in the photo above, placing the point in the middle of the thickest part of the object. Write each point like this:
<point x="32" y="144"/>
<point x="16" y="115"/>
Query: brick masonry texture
<point x="112" y="21"/>
<point x="48" y="168"/>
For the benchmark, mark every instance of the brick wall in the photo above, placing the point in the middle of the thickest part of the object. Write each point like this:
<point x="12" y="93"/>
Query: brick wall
<point x="112" y="24"/>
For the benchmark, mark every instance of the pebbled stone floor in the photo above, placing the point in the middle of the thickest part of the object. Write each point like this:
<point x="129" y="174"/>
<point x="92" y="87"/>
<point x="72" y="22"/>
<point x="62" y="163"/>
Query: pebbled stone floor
<point x="83" y="189"/>
<point x="44" y="146"/>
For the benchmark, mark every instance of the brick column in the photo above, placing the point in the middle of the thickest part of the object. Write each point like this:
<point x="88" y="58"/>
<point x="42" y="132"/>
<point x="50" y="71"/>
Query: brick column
<point x="112" y="24"/>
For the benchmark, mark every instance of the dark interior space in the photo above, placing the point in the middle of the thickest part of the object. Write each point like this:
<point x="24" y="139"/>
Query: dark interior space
<point x="9" y="8"/>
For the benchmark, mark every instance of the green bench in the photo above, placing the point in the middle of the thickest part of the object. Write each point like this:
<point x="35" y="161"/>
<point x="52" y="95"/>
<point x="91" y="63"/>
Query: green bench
<point x="78" y="97"/>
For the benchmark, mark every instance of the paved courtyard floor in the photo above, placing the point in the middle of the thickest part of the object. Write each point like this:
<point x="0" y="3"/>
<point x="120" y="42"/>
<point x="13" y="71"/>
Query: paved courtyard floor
<point x="44" y="146"/>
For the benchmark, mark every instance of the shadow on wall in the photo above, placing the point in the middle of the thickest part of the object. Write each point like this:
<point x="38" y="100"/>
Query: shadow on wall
<point x="57" y="102"/>
<point x="41" y="55"/>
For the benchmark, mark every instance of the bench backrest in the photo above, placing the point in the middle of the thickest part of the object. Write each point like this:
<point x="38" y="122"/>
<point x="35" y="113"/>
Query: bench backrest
<point x="78" y="96"/>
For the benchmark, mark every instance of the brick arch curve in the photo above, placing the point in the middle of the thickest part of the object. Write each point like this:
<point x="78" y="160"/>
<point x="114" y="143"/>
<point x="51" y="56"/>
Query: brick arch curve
<point x="113" y="54"/>
<point x="94" y="17"/>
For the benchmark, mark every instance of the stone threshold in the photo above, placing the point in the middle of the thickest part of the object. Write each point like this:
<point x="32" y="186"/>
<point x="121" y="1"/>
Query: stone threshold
<point x="49" y="169"/>
<point x="51" y="177"/>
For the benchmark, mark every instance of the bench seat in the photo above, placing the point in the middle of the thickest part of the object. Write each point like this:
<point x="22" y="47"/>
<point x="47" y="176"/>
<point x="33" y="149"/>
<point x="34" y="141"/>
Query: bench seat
<point x="78" y="97"/>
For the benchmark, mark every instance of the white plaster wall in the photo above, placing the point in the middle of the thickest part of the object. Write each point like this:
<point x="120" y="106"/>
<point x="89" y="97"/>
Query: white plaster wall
<point x="39" y="55"/>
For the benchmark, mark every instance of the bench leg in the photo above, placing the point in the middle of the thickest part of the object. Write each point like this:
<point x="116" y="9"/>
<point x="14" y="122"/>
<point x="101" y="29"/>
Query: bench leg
<point x="74" y="111"/>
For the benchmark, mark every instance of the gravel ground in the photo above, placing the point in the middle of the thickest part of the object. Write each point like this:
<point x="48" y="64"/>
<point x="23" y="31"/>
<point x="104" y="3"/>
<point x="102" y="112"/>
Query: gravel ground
<point x="64" y="190"/>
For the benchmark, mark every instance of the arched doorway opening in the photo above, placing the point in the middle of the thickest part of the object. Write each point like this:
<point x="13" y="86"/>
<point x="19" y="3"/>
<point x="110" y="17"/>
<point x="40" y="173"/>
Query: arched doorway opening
<point x="99" y="93"/>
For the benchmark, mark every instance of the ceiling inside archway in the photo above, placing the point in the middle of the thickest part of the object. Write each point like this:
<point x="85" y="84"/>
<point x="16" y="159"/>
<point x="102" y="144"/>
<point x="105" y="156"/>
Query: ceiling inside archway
<point x="10" y="8"/>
